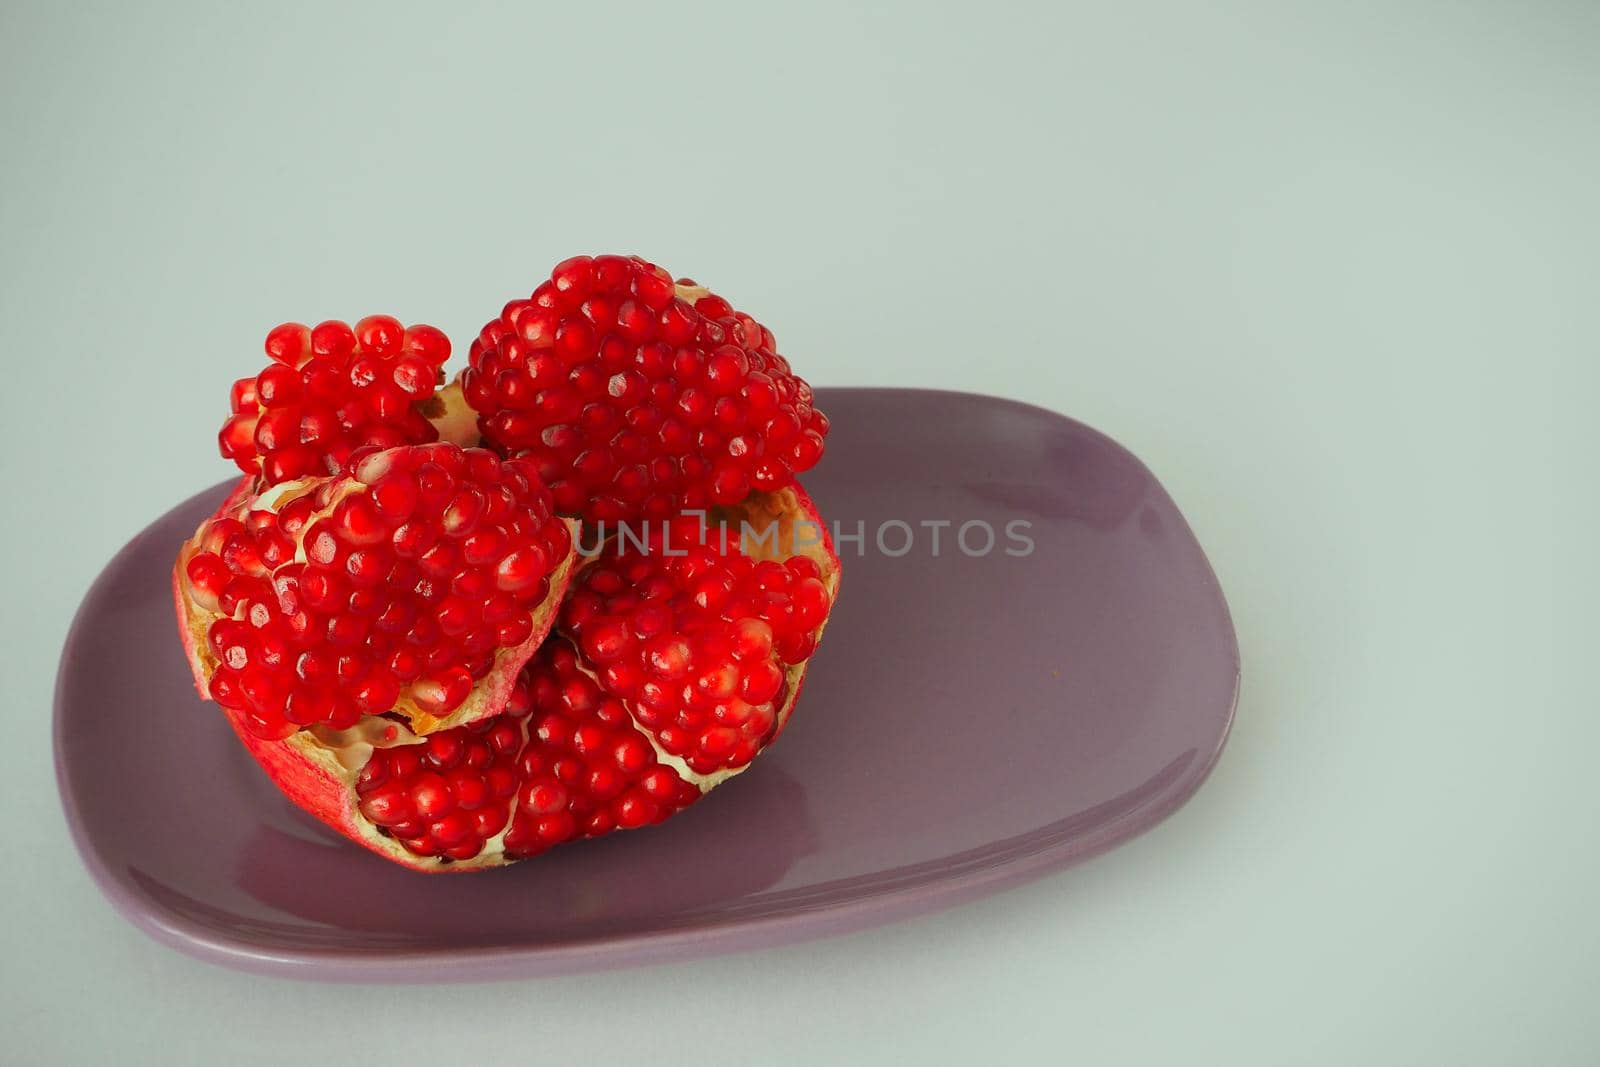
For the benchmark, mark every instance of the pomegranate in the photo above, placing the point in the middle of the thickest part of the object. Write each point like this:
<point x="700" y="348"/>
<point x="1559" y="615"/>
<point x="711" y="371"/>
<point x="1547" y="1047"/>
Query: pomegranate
<point x="399" y="624"/>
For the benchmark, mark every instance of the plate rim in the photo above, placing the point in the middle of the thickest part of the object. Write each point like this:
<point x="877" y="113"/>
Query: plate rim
<point x="868" y="908"/>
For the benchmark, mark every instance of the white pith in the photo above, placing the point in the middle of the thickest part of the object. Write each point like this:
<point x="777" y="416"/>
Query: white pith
<point x="452" y="416"/>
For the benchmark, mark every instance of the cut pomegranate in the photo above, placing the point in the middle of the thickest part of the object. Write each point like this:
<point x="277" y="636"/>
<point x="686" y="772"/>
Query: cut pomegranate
<point x="372" y="605"/>
<point x="419" y="582"/>
<point x="638" y="396"/>
<point x="572" y="756"/>
<point x="332" y="389"/>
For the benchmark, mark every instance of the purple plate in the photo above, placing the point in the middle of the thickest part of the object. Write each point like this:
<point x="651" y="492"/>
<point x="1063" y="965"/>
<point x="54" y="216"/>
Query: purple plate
<point x="971" y="721"/>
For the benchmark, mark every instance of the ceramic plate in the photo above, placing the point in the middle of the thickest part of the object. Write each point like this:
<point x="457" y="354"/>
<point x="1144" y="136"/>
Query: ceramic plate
<point x="977" y="715"/>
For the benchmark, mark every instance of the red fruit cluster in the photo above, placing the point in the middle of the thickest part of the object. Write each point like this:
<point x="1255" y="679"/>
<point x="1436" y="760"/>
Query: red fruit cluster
<point x="367" y="573"/>
<point x="331" y="390"/>
<point x="564" y="762"/>
<point x="697" y="641"/>
<point x="402" y="579"/>
<point x="638" y="397"/>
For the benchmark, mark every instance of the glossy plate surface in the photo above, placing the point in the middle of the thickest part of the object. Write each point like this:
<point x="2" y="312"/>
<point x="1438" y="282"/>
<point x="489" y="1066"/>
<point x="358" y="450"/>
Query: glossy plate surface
<point x="970" y="721"/>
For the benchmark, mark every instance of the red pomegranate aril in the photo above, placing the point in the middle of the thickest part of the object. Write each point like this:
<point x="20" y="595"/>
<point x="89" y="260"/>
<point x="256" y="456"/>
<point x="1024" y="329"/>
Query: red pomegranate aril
<point x="208" y="575"/>
<point x="513" y="631"/>
<point x="405" y="665"/>
<point x="380" y="334"/>
<point x="445" y="750"/>
<point x="376" y="693"/>
<point x="761" y="683"/>
<point x="395" y="496"/>
<point x="347" y="631"/>
<point x="453" y="830"/>
<point x="289" y="343"/>
<point x="277" y="386"/>
<point x="521" y="569"/>
<point x="443" y="693"/>
<point x="366" y="568"/>
<point x="471" y="791"/>
<point x="430" y="796"/>
<point x="304" y="707"/>
<point x="389" y="804"/>
<point x="243" y="396"/>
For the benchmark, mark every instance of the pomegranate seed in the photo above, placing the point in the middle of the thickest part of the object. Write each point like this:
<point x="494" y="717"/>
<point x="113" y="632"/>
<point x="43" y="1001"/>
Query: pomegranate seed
<point x="289" y="343"/>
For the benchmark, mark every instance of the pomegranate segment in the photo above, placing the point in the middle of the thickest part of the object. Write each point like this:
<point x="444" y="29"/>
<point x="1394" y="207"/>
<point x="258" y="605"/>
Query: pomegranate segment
<point x="330" y="390"/>
<point x="563" y="762"/>
<point x="696" y="637"/>
<point x="420" y="581"/>
<point x="639" y="397"/>
<point x="451" y="794"/>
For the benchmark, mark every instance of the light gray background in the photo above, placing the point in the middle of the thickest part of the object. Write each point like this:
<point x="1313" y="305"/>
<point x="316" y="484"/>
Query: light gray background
<point x="1330" y="270"/>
